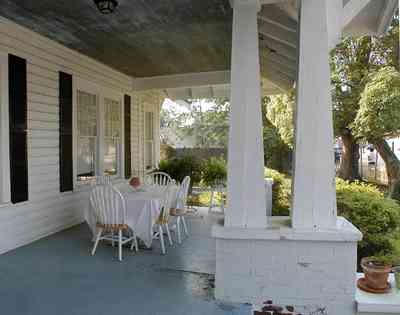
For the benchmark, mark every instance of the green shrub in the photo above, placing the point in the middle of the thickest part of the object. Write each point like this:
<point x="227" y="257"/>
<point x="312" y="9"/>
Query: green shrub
<point x="214" y="171"/>
<point x="281" y="192"/>
<point x="179" y="168"/>
<point x="377" y="217"/>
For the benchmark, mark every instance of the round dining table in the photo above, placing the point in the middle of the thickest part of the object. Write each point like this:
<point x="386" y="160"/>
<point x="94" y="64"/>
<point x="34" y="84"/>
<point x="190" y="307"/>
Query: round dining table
<point x="142" y="209"/>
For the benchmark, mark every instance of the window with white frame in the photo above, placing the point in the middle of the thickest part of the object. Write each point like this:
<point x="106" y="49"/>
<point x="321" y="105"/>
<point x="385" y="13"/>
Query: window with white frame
<point x="112" y="136"/>
<point x="149" y="140"/>
<point x="87" y="140"/>
<point x="4" y="132"/>
<point x="98" y="121"/>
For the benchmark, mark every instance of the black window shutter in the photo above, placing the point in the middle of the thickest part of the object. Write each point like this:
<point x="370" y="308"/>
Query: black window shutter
<point x="66" y="158"/>
<point x="18" y="128"/>
<point x="127" y="124"/>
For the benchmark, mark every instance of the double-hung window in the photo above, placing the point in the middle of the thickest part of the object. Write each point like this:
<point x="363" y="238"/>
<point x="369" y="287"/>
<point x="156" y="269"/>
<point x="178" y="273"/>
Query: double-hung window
<point x="112" y="136"/>
<point x="87" y="139"/>
<point x="98" y="132"/>
<point x="149" y="140"/>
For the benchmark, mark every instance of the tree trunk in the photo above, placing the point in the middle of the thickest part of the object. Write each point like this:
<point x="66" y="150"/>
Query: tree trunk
<point x="392" y="164"/>
<point x="348" y="169"/>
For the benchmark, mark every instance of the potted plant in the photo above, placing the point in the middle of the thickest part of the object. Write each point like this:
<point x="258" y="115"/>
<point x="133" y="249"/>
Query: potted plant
<point x="376" y="270"/>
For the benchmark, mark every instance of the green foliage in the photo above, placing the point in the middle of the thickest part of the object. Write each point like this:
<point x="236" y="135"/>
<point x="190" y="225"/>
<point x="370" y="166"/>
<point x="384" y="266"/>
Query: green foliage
<point x="377" y="217"/>
<point x="379" y="114"/>
<point x="385" y="260"/>
<point x="178" y="168"/>
<point x="214" y="171"/>
<point x="277" y="153"/>
<point x="281" y="192"/>
<point x="280" y="114"/>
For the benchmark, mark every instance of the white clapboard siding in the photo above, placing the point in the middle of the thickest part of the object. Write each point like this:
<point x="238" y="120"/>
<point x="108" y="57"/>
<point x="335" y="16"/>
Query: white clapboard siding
<point x="48" y="211"/>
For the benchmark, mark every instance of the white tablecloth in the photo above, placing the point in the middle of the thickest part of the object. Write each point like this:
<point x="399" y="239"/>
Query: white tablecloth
<point x="143" y="210"/>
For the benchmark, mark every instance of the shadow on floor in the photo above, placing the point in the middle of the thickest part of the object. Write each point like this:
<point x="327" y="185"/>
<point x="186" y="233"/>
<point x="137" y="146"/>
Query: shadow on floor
<point x="56" y="275"/>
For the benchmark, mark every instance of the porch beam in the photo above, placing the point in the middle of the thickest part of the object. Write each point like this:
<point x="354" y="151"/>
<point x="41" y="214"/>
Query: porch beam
<point x="352" y="9"/>
<point x="279" y="48"/>
<point x="278" y="17"/>
<point x="182" y="80"/>
<point x="288" y="74"/>
<point x="387" y="15"/>
<point x="314" y="194"/>
<point x="278" y="34"/>
<point x="279" y="60"/>
<point x="246" y="187"/>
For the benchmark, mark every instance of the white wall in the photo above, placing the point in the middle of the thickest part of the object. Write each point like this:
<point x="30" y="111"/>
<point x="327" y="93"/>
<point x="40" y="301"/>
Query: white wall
<point x="48" y="211"/>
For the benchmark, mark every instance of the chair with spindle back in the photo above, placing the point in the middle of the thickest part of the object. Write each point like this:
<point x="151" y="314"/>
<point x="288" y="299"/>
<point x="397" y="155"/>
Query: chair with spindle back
<point x="101" y="180"/>
<point x="163" y="219"/>
<point x="157" y="179"/>
<point x="181" y="210"/>
<point x="109" y="207"/>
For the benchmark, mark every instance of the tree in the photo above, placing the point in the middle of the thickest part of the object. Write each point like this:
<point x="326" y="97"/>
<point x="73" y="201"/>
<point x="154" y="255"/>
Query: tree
<point x="351" y="63"/>
<point x="379" y="118"/>
<point x="277" y="116"/>
<point x="279" y="111"/>
<point x="204" y="121"/>
<point x="210" y="128"/>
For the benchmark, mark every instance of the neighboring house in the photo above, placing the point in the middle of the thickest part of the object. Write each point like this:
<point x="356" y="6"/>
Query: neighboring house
<point x="66" y="117"/>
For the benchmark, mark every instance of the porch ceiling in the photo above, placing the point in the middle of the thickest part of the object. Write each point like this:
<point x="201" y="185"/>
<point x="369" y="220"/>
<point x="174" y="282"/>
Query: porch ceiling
<point x="156" y="38"/>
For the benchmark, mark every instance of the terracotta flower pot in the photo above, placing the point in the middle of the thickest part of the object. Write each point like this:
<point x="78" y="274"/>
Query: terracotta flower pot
<point x="376" y="274"/>
<point x="135" y="182"/>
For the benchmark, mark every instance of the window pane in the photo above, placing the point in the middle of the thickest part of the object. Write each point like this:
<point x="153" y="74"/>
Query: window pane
<point x="149" y="154"/>
<point x="87" y="114"/>
<point x="149" y="126"/>
<point x="112" y="121"/>
<point x="87" y="135"/>
<point x="112" y="118"/>
<point x="111" y="156"/>
<point x="86" y="157"/>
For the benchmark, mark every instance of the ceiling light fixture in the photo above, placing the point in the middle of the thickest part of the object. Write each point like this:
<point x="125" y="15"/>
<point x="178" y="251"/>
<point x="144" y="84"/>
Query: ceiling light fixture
<point x="106" y="6"/>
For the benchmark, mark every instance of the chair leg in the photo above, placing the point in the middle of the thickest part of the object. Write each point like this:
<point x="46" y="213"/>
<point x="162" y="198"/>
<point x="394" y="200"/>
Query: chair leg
<point x="211" y="201"/>
<point x="134" y="242"/>
<point x="97" y="241"/>
<point x="120" y="245"/>
<point x="161" y="239"/>
<point x="112" y="236"/>
<point x="178" y="226"/>
<point x="185" y="229"/>
<point x="169" y="234"/>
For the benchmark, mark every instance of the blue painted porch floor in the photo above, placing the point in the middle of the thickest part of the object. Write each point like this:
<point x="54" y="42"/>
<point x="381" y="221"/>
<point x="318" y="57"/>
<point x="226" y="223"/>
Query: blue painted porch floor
<point x="56" y="275"/>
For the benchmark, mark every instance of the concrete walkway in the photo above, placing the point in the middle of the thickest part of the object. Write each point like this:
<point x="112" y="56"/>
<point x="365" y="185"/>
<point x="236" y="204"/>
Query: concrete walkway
<point x="57" y="276"/>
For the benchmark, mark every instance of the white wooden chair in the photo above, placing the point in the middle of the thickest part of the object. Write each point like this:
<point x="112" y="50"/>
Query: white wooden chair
<point x="157" y="179"/>
<point x="110" y="211"/>
<point x="101" y="180"/>
<point x="217" y="188"/>
<point x="181" y="209"/>
<point x="163" y="219"/>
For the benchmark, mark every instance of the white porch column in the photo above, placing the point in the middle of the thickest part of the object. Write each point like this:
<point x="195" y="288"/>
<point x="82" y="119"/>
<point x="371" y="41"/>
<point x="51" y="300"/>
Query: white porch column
<point x="314" y="193"/>
<point x="246" y="192"/>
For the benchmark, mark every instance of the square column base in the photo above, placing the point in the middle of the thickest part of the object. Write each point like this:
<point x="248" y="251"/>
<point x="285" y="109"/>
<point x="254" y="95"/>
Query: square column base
<point x="290" y="267"/>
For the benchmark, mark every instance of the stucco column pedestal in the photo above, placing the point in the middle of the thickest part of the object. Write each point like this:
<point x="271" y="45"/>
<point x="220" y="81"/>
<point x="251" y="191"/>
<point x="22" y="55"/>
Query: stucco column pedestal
<point x="289" y="266"/>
